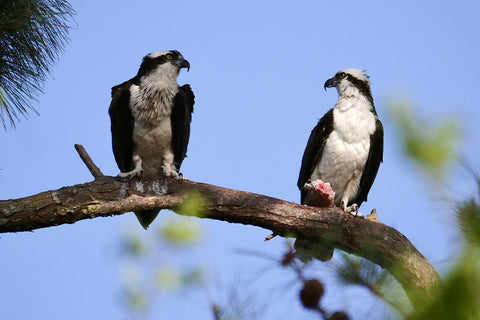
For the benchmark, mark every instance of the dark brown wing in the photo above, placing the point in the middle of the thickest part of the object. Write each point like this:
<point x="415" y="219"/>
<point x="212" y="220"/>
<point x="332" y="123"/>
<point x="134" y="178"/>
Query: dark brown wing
<point x="181" y="117"/>
<point x="121" y="125"/>
<point x="314" y="149"/>
<point x="375" y="156"/>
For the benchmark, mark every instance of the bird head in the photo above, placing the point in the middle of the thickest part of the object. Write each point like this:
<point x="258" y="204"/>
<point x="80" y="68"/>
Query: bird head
<point x="163" y="63"/>
<point x="347" y="81"/>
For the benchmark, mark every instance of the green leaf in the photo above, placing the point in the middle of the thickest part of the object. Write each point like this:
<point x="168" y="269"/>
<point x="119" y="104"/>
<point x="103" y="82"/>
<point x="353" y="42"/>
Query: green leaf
<point x="181" y="231"/>
<point x="430" y="145"/>
<point x="195" y="204"/>
<point x="170" y="279"/>
<point x="33" y="34"/>
<point x="468" y="215"/>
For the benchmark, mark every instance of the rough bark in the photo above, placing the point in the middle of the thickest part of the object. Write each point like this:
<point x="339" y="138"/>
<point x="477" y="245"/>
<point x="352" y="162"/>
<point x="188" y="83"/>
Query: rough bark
<point x="107" y="196"/>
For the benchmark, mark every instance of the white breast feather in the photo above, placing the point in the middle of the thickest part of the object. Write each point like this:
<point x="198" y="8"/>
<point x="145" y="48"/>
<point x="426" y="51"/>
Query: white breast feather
<point x="346" y="150"/>
<point x="151" y="105"/>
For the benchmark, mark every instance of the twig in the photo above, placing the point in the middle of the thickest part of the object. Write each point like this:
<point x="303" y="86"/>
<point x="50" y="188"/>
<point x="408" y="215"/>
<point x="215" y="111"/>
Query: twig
<point x="374" y="241"/>
<point x="107" y="196"/>
<point x="94" y="170"/>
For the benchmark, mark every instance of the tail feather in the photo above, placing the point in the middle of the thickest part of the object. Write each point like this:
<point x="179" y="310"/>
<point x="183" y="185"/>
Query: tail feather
<point x="146" y="217"/>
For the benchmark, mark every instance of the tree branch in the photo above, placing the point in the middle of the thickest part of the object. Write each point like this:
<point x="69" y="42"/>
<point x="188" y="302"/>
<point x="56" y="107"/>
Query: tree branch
<point x="107" y="196"/>
<point x="94" y="170"/>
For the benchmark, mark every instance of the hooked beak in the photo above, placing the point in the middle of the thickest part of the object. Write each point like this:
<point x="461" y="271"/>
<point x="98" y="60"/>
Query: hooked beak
<point x="332" y="82"/>
<point x="183" y="64"/>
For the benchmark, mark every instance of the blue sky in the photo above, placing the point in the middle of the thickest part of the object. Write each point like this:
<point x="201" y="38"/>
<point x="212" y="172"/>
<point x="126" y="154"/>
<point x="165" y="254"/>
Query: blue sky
<point x="257" y="70"/>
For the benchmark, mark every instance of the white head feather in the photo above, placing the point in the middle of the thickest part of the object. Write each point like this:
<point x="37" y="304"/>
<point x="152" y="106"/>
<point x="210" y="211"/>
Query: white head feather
<point x="157" y="54"/>
<point x="344" y="85"/>
<point x="357" y="73"/>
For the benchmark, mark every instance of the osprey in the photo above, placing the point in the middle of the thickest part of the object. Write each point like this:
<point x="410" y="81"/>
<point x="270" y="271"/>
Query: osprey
<point x="150" y="118"/>
<point x="346" y="146"/>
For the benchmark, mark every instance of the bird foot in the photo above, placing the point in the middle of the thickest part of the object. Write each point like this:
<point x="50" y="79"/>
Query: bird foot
<point x="137" y="172"/>
<point x="131" y="174"/>
<point x="353" y="209"/>
<point x="170" y="172"/>
<point x="350" y="209"/>
<point x="358" y="214"/>
<point x="181" y="177"/>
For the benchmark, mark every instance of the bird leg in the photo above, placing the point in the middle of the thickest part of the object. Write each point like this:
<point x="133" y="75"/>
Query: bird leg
<point x="169" y="169"/>
<point x="170" y="172"/>
<point x="135" y="172"/>
<point x="353" y="209"/>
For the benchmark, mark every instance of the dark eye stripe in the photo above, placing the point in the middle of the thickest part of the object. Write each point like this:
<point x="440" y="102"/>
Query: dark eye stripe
<point x="362" y="86"/>
<point x="173" y="53"/>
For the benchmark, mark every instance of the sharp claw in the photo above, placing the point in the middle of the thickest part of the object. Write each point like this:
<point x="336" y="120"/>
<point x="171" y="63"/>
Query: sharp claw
<point x="130" y="175"/>
<point x="358" y="214"/>
<point x="353" y="209"/>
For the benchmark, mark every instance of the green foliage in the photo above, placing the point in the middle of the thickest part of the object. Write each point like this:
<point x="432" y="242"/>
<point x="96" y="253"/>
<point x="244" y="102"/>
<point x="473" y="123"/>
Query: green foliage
<point x="180" y="231"/>
<point x="430" y="146"/>
<point x="32" y="35"/>
<point x="134" y="246"/>
<point x="468" y="215"/>
<point x="237" y="302"/>
<point x="352" y="270"/>
<point x="459" y="297"/>
<point x="357" y="271"/>
<point x="149" y="261"/>
<point x="195" y="204"/>
<point x="174" y="279"/>
<point x="134" y="292"/>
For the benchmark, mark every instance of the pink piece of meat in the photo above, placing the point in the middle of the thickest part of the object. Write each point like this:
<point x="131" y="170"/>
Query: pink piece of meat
<point x="319" y="194"/>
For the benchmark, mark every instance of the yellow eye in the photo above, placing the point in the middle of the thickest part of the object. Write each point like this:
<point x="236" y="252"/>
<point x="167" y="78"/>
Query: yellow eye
<point x="169" y="56"/>
<point x="342" y="75"/>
